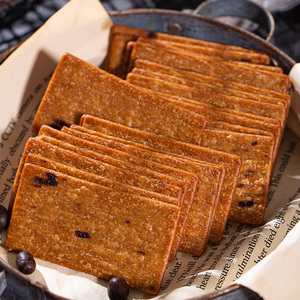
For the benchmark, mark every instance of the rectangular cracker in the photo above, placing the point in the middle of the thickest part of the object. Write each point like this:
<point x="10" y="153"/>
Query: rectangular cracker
<point x="209" y="66"/>
<point x="78" y="87"/>
<point x="158" y="185"/>
<point x="82" y="226"/>
<point x="96" y="166"/>
<point x="136" y="32"/>
<point x="147" y="167"/>
<point x="195" y="221"/>
<point x="245" y="105"/>
<point x="229" y="54"/>
<point x="115" y="157"/>
<point x="208" y="52"/>
<point x="77" y="173"/>
<point x="114" y="63"/>
<point x="231" y="162"/>
<point x="256" y="151"/>
<point x="107" y="181"/>
<point x="227" y="121"/>
<point x="121" y="35"/>
<point x="218" y="82"/>
<point x="206" y="86"/>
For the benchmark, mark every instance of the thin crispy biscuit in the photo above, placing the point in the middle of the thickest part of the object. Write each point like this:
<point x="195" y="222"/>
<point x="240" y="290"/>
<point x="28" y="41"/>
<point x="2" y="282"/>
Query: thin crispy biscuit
<point x="82" y="226"/>
<point x="256" y="151"/>
<point x="206" y="194"/>
<point x="234" y="55"/>
<point x="156" y="67"/>
<point x="220" y="100"/>
<point x="69" y="169"/>
<point x="237" y="128"/>
<point x="158" y="185"/>
<point x="231" y="111"/>
<point x="212" y="88"/>
<point x="185" y="180"/>
<point x="223" y="120"/>
<point x="275" y="130"/>
<point x="52" y="165"/>
<point x="260" y="67"/>
<point x="78" y="87"/>
<point x="231" y="162"/>
<point x="253" y="183"/>
<point x="121" y="35"/>
<point x="173" y="187"/>
<point x="96" y="166"/>
<point x="242" y="113"/>
<point x="209" y="66"/>
<point x="114" y="60"/>
<point x="209" y="52"/>
<point x="136" y="32"/>
<point x="118" y="158"/>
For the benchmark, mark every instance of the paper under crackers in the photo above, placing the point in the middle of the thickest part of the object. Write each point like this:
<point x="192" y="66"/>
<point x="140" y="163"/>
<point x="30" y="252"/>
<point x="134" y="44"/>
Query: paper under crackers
<point x="148" y="171"/>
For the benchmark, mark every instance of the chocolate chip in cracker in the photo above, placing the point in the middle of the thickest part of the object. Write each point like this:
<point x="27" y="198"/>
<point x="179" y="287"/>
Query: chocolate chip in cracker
<point x="51" y="180"/>
<point x="82" y="234"/>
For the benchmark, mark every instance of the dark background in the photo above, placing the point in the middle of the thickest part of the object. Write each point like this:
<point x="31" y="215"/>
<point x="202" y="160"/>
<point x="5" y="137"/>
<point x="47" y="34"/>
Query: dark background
<point x="20" y="18"/>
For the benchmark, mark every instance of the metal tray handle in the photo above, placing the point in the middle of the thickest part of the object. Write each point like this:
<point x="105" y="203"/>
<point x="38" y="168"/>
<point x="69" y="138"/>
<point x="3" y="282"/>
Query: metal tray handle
<point x="239" y="8"/>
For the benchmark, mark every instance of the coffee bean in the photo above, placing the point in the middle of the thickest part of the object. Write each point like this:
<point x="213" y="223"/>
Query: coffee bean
<point x="3" y="217"/>
<point x="118" y="289"/>
<point x="25" y="262"/>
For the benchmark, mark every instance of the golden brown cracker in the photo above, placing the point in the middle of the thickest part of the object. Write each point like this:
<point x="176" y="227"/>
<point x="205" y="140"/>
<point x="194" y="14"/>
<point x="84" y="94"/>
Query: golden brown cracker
<point x="212" y="88"/>
<point x="224" y="120"/>
<point x="78" y="87"/>
<point x="176" y="176"/>
<point x="86" y="174"/>
<point x="114" y="62"/>
<point x="256" y="151"/>
<point x="199" y="218"/>
<point x="229" y="54"/>
<point x="82" y="226"/>
<point x="77" y="173"/>
<point x="96" y="166"/>
<point x="209" y="66"/>
<point x="231" y="162"/>
<point x="220" y="100"/>
<point x="117" y="158"/>
<point x="156" y="67"/>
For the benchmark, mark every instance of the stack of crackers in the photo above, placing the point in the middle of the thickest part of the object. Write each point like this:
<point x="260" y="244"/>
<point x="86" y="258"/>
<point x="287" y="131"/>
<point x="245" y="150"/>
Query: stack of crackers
<point x="124" y="173"/>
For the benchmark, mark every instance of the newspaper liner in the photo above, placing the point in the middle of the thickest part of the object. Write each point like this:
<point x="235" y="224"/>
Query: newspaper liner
<point x="82" y="28"/>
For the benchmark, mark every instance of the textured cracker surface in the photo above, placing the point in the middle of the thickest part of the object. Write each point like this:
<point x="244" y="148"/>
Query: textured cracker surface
<point x="156" y="67"/>
<point x="256" y="152"/>
<point x="118" y="158"/>
<point x="78" y="88"/>
<point x="166" y="174"/>
<point x="125" y="231"/>
<point x="210" y="66"/>
<point x="203" y="96"/>
<point x="91" y="164"/>
<point x="230" y="162"/>
<point x="210" y="86"/>
<point x="204" y="197"/>
<point x="234" y="55"/>
<point x="92" y="177"/>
